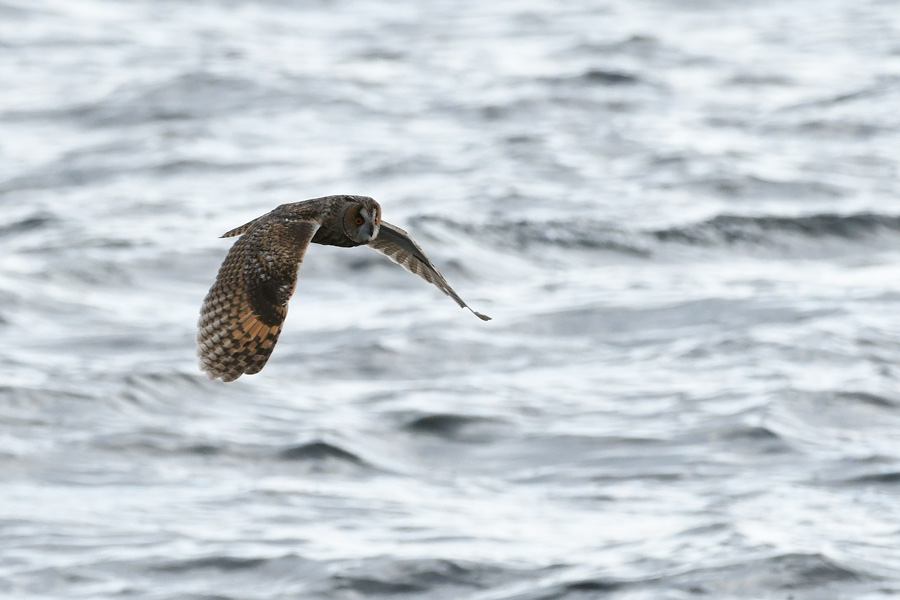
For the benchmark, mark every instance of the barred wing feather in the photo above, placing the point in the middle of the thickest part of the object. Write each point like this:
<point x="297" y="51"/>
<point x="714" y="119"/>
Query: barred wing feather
<point x="396" y="244"/>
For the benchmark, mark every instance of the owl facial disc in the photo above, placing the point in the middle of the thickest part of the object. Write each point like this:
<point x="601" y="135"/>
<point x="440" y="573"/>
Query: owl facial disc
<point x="361" y="221"/>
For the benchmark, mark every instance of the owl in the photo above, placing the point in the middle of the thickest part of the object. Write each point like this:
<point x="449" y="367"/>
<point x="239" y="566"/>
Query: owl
<point x="242" y="314"/>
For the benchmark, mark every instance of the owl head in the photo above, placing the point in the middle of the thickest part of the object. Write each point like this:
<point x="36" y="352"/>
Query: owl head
<point x="361" y="219"/>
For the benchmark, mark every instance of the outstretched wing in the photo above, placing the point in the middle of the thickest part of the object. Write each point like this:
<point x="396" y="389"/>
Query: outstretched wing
<point x="242" y="315"/>
<point x="396" y="244"/>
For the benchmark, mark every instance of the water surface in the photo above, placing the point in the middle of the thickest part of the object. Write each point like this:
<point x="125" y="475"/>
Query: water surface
<point x="683" y="217"/>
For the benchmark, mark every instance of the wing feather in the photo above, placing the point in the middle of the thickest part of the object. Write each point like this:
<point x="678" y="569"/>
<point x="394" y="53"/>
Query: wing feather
<point x="242" y="315"/>
<point x="396" y="244"/>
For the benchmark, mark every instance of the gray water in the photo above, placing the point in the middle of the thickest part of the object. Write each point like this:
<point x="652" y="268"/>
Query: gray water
<point x="683" y="216"/>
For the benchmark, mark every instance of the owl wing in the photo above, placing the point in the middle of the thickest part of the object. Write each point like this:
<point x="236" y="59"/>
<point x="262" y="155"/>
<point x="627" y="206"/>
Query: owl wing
<point x="396" y="244"/>
<point x="242" y="315"/>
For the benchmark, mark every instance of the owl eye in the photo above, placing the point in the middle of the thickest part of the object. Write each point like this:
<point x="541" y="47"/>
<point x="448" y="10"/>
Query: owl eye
<point x="359" y="220"/>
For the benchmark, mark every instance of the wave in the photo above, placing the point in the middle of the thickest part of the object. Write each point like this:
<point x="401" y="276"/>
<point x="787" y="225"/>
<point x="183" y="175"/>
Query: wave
<point x="599" y="76"/>
<point x="186" y="96"/>
<point x="451" y="426"/>
<point x="183" y="96"/>
<point x="422" y="576"/>
<point x="216" y="563"/>
<point x="746" y="439"/>
<point x="28" y="223"/>
<point x="733" y="229"/>
<point x="788" y="571"/>
<point x="585" y="235"/>
<point x="320" y="452"/>
<point x="769" y="233"/>
<point x="891" y="478"/>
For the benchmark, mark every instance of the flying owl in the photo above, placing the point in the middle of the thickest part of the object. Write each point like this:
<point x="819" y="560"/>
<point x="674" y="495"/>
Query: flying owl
<point x="242" y="315"/>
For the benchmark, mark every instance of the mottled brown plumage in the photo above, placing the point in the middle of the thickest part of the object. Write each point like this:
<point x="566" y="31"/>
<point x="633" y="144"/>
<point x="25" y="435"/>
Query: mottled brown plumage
<point x="242" y="315"/>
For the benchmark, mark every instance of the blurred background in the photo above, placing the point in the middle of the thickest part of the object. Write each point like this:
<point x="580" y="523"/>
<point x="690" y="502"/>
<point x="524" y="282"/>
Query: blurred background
<point x="683" y="215"/>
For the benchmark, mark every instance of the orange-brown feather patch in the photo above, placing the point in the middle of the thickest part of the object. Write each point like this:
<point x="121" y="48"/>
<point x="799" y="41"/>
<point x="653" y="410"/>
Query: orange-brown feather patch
<point x="255" y="328"/>
<point x="240" y="319"/>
